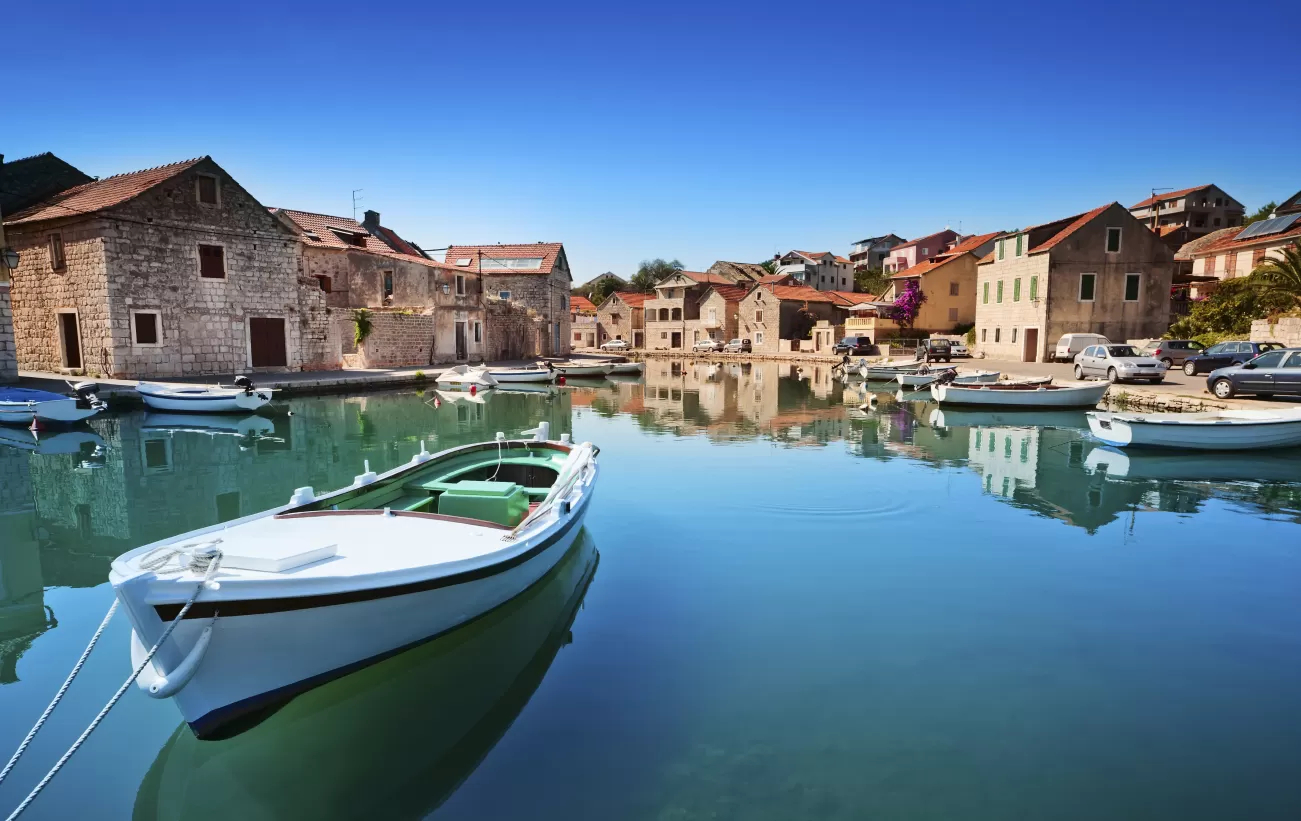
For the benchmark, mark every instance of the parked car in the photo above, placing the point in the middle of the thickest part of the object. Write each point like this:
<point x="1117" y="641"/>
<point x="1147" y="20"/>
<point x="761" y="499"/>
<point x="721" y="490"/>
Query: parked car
<point x="936" y="349"/>
<point x="1118" y="363"/>
<point x="737" y="346"/>
<point x="1276" y="371"/>
<point x="960" y="349"/>
<point x="1224" y="354"/>
<point x="1072" y="344"/>
<point x="1173" y="352"/>
<point x="615" y="345"/>
<point x="708" y="346"/>
<point x="856" y="345"/>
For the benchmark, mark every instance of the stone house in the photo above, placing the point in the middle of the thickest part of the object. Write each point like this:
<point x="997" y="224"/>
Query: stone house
<point x="534" y="276"/>
<point x="949" y="282"/>
<point x="738" y="272"/>
<point x="365" y="265"/>
<point x="1235" y="252"/>
<point x="622" y="316"/>
<point x="1184" y="215"/>
<point x="771" y="316"/>
<point x="817" y="269"/>
<point x="1101" y="272"/>
<point x="720" y="313"/>
<point x="673" y="314"/>
<point x="170" y="271"/>
<point x="582" y="319"/>
<point x="914" y="252"/>
<point x="870" y="254"/>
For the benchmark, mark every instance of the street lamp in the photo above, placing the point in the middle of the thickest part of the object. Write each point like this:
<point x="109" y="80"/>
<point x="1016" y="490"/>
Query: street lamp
<point x="10" y="258"/>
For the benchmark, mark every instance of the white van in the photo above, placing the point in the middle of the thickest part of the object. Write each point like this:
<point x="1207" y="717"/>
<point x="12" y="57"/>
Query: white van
<point x="1071" y="344"/>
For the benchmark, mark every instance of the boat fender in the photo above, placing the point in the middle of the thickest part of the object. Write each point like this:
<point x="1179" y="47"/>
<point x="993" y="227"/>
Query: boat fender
<point x="366" y="478"/>
<point x="302" y="496"/>
<point x="166" y="685"/>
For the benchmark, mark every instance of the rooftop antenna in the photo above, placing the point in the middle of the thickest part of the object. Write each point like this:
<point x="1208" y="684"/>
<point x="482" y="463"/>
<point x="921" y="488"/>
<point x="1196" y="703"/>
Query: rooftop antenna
<point x="356" y="199"/>
<point x="1156" y="217"/>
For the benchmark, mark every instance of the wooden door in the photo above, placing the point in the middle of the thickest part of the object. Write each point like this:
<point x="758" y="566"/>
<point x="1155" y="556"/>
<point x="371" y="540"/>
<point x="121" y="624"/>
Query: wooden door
<point x="461" y="351"/>
<point x="266" y="336"/>
<point x="71" y="335"/>
<point x="1030" y="343"/>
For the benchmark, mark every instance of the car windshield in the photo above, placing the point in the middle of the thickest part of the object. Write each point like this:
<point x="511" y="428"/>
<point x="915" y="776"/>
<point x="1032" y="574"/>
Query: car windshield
<point x="1122" y="350"/>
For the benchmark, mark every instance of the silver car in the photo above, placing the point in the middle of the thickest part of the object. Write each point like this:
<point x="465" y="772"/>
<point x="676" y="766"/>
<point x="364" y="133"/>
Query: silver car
<point x="1118" y="363"/>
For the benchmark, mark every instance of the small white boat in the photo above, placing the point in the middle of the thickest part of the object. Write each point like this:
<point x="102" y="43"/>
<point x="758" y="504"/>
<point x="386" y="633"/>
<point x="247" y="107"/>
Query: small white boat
<point x="627" y="368"/>
<point x="582" y="368"/>
<point x="1021" y="396"/>
<point x="921" y="380"/>
<point x="464" y="377"/>
<point x="887" y="371"/>
<point x="1217" y="430"/>
<point x="242" y="397"/>
<point x="22" y="406"/>
<point x="507" y="376"/>
<point x="273" y="604"/>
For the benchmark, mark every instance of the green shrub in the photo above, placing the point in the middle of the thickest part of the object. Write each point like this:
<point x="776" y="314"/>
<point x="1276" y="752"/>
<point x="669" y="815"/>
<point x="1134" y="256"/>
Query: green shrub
<point x="361" y="316"/>
<point x="419" y="376"/>
<point x="1229" y="310"/>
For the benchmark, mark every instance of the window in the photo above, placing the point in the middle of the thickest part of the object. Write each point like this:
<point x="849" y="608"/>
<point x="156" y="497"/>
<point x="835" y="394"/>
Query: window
<point x="324" y="282"/>
<point x="578" y="337"/>
<point x="1014" y="334"/>
<point x="1016" y="289"/>
<point x="157" y="455"/>
<point x="999" y="298"/>
<point x="986" y="294"/>
<point x="207" y="189"/>
<point x="758" y="316"/>
<point x="925" y="251"/>
<point x="460" y="284"/>
<point x="664" y="335"/>
<point x="57" y="261"/>
<point x="1113" y="240"/>
<point x="982" y="334"/>
<point x="144" y="328"/>
<point x="503" y="294"/>
<point x="997" y="333"/>
<point x="478" y="331"/>
<point x="758" y="337"/>
<point x="388" y="284"/>
<point x="212" y="262"/>
<point x="1216" y="222"/>
<point x="1269" y="360"/>
<point x="1034" y="288"/>
<point x="953" y="289"/>
<point x="1000" y="249"/>
<point x="953" y="314"/>
<point x="1131" y="287"/>
<point x="1218" y="202"/>
<point x="1294" y="361"/>
<point x="1018" y="244"/>
<point x="1087" y="282"/>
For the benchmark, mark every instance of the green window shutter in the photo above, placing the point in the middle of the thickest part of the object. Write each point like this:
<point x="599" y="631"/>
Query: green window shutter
<point x="1000" y="249"/>
<point x="986" y="293"/>
<point x="1034" y="288"/>
<point x="1016" y="289"/>
<point x="1000" y="291"/>
<point x="1018" y="244"/>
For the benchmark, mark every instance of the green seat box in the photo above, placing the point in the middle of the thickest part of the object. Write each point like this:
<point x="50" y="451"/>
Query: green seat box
<point x="504" y="503"/>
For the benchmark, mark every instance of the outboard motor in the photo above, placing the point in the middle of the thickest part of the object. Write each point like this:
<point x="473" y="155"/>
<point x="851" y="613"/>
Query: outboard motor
<point x="88" y="393"/>
<point x="244" y="382"/>
<point x="946" y="376"/>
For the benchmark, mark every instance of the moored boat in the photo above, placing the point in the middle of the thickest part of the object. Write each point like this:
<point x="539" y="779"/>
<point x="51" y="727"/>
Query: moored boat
<point x="888" y="371"/>
<point x="1217" y="430"/>
<point x="626" y="368"/>
<point x="266" y="606"/>
<point x="22" y="406"/>
<point x="921" y="379"/>
<point x="593" y="368"/>
<point x="531" y="374"/>
<point x="464" y="377"/>
<point x="1021" y="396"/>
<point x="242" y="397"/>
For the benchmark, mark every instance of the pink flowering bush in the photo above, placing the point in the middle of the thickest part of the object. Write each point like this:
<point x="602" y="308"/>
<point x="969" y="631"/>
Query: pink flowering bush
<point x="908" y="304"/>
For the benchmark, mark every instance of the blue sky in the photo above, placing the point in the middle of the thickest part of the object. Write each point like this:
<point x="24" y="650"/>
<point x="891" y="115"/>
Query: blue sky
<point x="695" y="131"/>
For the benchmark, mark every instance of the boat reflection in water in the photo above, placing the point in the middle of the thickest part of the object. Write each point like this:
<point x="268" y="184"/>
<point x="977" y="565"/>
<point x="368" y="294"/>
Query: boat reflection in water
<point x="1198" y="466"/>
<point x="393" y="740"/>
<point x="248" y="429"/>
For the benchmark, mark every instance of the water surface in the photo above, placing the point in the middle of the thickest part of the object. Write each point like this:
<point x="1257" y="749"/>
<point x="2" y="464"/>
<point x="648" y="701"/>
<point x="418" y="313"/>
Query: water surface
<point x="783" y="607"/>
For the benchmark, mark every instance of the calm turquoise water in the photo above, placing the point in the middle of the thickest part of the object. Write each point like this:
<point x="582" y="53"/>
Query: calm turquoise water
<point x="783" y="607"/>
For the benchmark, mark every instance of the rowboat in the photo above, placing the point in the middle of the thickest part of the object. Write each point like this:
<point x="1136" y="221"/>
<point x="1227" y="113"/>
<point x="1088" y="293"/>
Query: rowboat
<point x="464" y="377"/>
<point x="581" y="368"/>
<point x="921" y="380"/>
<point x="425" y="718"/>
<point x="505" y="376"/>
<point x="973" y="417"/>
<point x="242" y="397"/>
<point x="245" y="614"/>
<point x="1217" y="430"/>
<point x="1021" y="396"/>
<point x="626" y="368"/>
<point x="22" y="406"/>
<point x="1139" y="465"/>
<point x="887" y="371"/>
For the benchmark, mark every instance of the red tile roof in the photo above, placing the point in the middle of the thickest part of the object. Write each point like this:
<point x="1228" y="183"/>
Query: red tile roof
<point x="851" y="297"/>
<point x="970" y="244"/>
<point x="1172" y="195"/>
<point x="920" y="240"/>
<point x="967" y="246"/>
<point x="403" y="246"/>
<point x="1228" y="241"/>
<point x="776" y="279"/>
<point x="799" y="293"/>
<point x="922" y="268"/>
<point x="633" y="299"/>
<point x="582" y="304"/>
<point x="548" y="251"/>
<point x="731" y="293"/>
<point x="1075" y="224"/>
<point x="842" y="260"/>
<point x="96" y="196"/>
<point x="1166" y="230"/>
<point x="317" y="234"/>
<point x="706" y="279"/>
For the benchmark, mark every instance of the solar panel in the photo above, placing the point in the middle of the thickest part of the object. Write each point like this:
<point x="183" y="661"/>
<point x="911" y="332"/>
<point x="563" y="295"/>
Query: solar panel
<point x="1277" y="225"/>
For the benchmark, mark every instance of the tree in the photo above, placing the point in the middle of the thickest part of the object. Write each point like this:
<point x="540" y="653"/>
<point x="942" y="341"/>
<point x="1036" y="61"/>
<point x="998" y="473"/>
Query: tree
<point x="650" y="272"/>
<point x="769" y="265"/>
<point x="908" y="305"/>
<point x="1281" y="277"/>
<point x="1230" y="309"/>
<point x="871" y="281"/>
<point x="601" y="289"/>
<point x="802" y="323"/>
<point x="1263" y="213"/>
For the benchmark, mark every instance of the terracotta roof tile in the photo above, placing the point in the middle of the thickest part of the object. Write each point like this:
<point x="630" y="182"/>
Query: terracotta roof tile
<point x="731" y="293"/>
<point x="28" y="181"/>
<point x="922" y="268"/>
<point x="1075" y="224"/>
<point x="970" y="244"/>
<point x="776" y="279"/>
<point x="1228" y="241"/>
<point x="919" y="240"/>
<point x="706" y="279"/>
<point x="1172" y="195"/>
<point x="851" y="297"/>
<point x="317" y="234"/>
<point x="582" y="304"/>
<point x="799" y="293"/>
<point x="633" y="299"/>
<point x="96" y="196"/>
<point x="842" y="260"/>
<point x="403" y="246"/>
<point x="548" y="251"/>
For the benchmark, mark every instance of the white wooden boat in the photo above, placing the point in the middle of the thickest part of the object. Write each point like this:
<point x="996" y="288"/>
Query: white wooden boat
<point x="1152" y="464"/>
<point x="921" y="380"/>
<point x="887" y="371"/>
<point x="284" y="600"/>
<point x="242" y="397"/>
<point x="627" y="368"/>
<point x="23" y="406"/>
<point x="464" y="377"/>
<point x="508" y="376"/>
<point x="1217" y="430"/>
<point x="1021" y="396"/>
<point x="581" y="368"/>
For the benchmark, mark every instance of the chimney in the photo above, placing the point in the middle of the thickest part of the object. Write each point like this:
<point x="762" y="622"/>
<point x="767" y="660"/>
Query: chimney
<point x="370" y="221"/>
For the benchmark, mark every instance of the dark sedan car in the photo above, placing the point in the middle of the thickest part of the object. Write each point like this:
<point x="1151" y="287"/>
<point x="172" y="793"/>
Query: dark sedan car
<point x="1276" y="371"/>
<point x="856" y="345"/>
<point x="1225" y="354"/>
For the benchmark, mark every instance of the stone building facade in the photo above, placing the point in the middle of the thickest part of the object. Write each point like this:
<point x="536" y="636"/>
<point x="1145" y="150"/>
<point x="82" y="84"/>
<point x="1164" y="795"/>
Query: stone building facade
<point x="8" y="352"/>
<point x="1099" y="272"/>
<point x="170" y="271"/>
<point x="534" y="276"/>
<point x="622" y="316"/>
<point x="771" y="315"/>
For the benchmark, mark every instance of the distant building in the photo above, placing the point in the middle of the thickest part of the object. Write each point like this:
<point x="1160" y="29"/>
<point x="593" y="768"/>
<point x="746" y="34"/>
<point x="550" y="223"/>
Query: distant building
<point x="738" y="272"/>
<point x="949" y="282"/>
<point x="622" y="316"/>
<point x="870" y="254"/>
<point x="1235" y="252"/>
<point x="822" y="270"/>
<point x="1101" y="272"/>
<point x="1184" y="215"/>
<point x="534" y="276"/>
<point x="774" y="316"/>
<point x="907" y="254"/>
<point x="582" y="322"/>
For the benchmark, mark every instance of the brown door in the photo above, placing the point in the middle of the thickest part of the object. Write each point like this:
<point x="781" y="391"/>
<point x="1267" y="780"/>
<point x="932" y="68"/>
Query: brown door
<point x="71" y="335"/>
<point x="266" y="337"/>
<point x="1031" y="345"/>
<point x="675" y="339"/>
<point x="461" y="351"/>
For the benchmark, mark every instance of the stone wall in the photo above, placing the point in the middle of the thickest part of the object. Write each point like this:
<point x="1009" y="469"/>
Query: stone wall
<point x="514" y="332"/>
<point x="1285" y="331"/>
<point x="322" y="346"/>
<point x="8" y="353"/>
<point x="546" y="296"/>
<point x="398" y="339"/>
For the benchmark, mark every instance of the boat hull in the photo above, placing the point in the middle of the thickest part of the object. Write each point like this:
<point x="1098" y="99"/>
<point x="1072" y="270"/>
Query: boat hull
<point x="158" y="397"/>
<point x="627" y="368"/>
<point x="583" y="370"/>
<point x="286" y="646"/>
<point x="522" y="376"/>
<point x="1122" y="430"/>
<point x="1085" y="396"/>
<point x="921" y="380"/>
